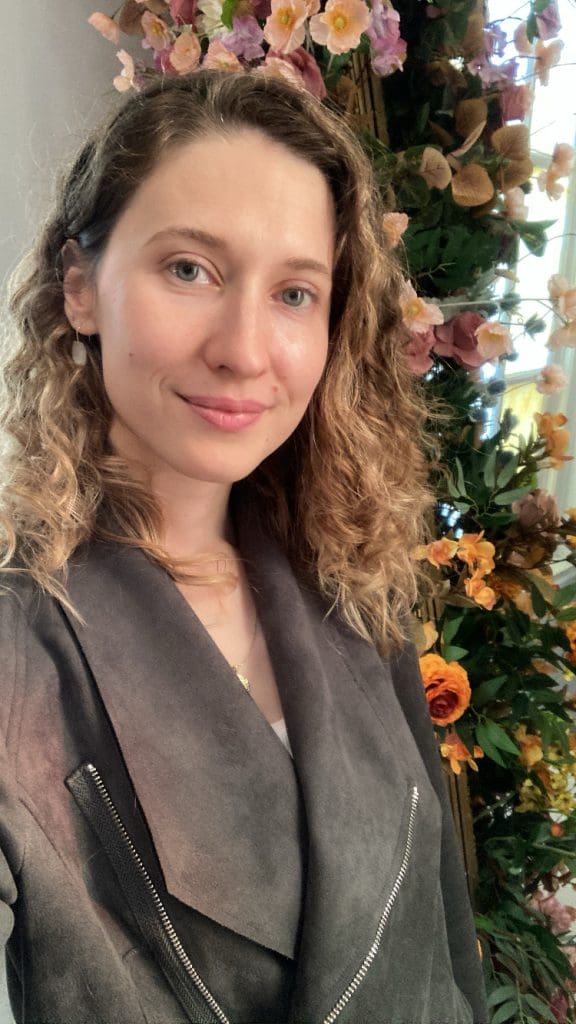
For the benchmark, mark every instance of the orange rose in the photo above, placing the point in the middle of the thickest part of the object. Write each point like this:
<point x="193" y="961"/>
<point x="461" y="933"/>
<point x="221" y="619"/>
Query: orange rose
<point x="447" y="688"/>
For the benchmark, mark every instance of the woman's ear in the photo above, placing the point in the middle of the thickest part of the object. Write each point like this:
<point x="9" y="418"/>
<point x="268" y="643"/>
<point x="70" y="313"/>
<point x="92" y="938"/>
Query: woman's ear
<point x="79" y="289"/>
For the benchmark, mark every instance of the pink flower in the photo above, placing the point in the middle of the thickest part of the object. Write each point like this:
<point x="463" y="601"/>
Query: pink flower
<point x="493" y="340"/>
<point x="185" y="54"/>
<point x="546" y="58"/>
<point x="220" y="58"/>
<point x="551" y="379"/>
<point x="284" y="29"/>
<point x="539" y="508"/>
<point x="183" y="11"/>
<point x="418" y="351"/>
<point x="156" y="34"/>
<point x="311" y="75"/>
<point x="105" y="25"/>
<point x="563" y="296"/>
<point x="340" y="26"/>
<point x="394" y="225"/>
<point x="561" y="917"/>
<point x="277" y="67"/>
<point x="245" y="38"/>
<point x="563" y="158"/>
<point x="125" y="80"/>
<point x="457" y="340"/>
<point x="548" y="182"/>
<point x="388" y="48"/>
<point x="516" y="102"/>
<point x="515" y="204"/>
<point x="548" y="22"/>
<point x="563" y="337"/>
<point x="418" y="315"/>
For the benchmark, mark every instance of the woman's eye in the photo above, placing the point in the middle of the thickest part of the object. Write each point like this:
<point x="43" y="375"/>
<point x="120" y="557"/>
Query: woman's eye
<point x="297" y="296"/>
<point x="186" y="270"/>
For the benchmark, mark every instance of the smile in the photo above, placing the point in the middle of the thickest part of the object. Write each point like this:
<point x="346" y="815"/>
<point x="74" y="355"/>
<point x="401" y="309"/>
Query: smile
<point x="225" y="414"/>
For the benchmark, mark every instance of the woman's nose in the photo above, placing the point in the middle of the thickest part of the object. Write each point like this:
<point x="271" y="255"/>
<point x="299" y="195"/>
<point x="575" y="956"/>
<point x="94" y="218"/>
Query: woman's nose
<point x="239" y="338"/>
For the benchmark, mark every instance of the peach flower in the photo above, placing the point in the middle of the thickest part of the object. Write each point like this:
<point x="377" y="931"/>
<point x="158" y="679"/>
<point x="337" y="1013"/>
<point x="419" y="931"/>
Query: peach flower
<point x="563" y="158"/>
<point x="563" y="337"/>
<point x="220" y="58"/>
<point x="394" y="225"/>
<point x="418" y="315"/>
<point x="284" y="28"/>
<point x="546" y="58"/>
<point x="185" y="54"/>
<point x="156" y="34"/>
<point x="447" y="688"/>
<point x="515" y="204"/>
<point x="523" y="45"/>
<point x="105" y="25"/>
<point x="418" y="351"/>
<point x="477" y="588"/>
<point x="551" y="380"/>
<point x="493" y="340"/>
<point x="276" y="67"/>
<point x="340" y="26"/>
<point x="438" y="552"/>
<point x="530" y="747"/>
<point x="454" y="750"/>
<point x="563" y="296"/>
<point x="125" y="80"/>
<point x="435" y="169"/>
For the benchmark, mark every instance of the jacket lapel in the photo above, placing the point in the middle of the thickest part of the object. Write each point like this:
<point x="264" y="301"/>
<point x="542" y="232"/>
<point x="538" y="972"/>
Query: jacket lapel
<point x="217" y="788"/>
<point x="357" y="765"/>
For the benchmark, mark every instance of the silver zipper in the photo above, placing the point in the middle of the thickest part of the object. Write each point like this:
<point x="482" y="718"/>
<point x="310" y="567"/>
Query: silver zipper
<point x="367" y="962"/>
<point x="166" y="922"/>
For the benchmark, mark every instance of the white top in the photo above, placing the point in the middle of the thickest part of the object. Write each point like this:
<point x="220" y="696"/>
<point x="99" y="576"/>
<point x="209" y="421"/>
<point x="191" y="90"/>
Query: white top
<point x="280" y="730"/>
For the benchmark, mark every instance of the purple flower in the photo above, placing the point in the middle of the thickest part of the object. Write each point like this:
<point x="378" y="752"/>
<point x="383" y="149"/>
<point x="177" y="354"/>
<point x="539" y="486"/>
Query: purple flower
<point x="548" y="22"/>
<point x="245" y="38"/>
<point x="495" y="40"/>
<point x="489" y="74"/>
<point x="388" y="47"/>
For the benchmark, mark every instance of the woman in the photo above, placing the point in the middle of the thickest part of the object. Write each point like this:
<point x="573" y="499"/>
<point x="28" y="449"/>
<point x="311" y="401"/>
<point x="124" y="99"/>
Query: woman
<point x="220" y="797"/>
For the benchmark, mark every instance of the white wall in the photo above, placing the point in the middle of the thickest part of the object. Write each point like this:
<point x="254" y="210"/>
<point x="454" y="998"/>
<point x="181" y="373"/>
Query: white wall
<point x="55" y="80"/>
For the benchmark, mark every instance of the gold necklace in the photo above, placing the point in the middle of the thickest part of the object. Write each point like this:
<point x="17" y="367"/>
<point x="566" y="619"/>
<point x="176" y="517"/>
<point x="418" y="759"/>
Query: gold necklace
<point x="237" y="667"/>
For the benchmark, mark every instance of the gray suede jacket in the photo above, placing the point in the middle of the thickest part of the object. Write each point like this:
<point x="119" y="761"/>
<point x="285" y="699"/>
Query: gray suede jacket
<point x="162" y="857"/>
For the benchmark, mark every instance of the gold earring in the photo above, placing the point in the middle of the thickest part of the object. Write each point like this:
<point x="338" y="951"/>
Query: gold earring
<point x="79" y="354"/>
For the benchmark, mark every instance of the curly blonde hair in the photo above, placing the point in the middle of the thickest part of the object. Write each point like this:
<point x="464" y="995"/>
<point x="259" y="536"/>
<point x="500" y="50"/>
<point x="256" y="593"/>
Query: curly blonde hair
<point x="347" y="493"/>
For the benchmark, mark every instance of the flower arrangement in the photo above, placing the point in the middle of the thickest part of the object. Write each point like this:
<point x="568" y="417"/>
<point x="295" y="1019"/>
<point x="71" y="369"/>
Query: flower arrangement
<point x="439" y="98"/>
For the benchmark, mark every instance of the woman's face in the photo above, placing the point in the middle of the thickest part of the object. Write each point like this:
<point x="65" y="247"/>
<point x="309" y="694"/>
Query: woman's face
<point x="212" y="303"/>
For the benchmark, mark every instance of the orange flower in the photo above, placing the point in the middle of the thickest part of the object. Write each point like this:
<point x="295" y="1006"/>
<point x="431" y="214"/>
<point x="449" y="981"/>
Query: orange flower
<point x="563" y="337"/>
<point x="439" y="552"/>
<point x="547" y="57"/>
<point x="570" y="630"/>
<point x="125" y="80"/>
<point x="477" y="553"/>
<point x="455" y="751"/>
<point x="156" y="34"/>
<point x="340" y="26"/>
<point x="550" y="427"/>
<point x="447" y="688"/>
<point x="477" y="589"/>
<point x="531" y="752"/>
<point x="284" y="28"/>
<point x="418" y="315"/>
<point x="220" y="58"/>
<point x="563" y="296"/>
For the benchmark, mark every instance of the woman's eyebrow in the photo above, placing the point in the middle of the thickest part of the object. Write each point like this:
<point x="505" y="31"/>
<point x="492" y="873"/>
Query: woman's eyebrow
<point x="215" y="242"/>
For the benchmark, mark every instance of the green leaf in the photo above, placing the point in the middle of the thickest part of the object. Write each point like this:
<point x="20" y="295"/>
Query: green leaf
<point x="499" y="737"/>
<point x="533" y="234"/>
<point x="487" y="690"/>
<point x="565" y="614"/>
<point x="508" y="471"/>
<point x="489" y="749"/>
<point x="490" y="469"/>
<point x="460" y="477"/>
<point x="500" y="994"/>
<point x="506" y="1012"/>
<point x="451" y="627"/>
<point x="507" y="497"/>
<point x="537" y="1004"/>
<point x="228" y="8"/>
<point x="565" y="595"/>
<point x="452" y="653"/>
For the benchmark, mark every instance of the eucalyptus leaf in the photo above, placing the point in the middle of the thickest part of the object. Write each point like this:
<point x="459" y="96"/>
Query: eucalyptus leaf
<point x="508" y="471"/>
<point x="499" y="995"/>
<point x="488" y="747"/>
<point x="490" y="469"/>
<point x="565" y="595"/>
<point x="507" y="497"/>
<point x="508" y="1011"/>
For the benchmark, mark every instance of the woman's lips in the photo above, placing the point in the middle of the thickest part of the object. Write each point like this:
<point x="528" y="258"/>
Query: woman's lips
<point x="228" y="414"/>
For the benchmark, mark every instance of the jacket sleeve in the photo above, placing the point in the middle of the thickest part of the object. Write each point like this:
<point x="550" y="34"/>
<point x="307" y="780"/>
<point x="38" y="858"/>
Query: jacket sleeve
<point x="459" y="920"/>
<point x="11" y="842"/>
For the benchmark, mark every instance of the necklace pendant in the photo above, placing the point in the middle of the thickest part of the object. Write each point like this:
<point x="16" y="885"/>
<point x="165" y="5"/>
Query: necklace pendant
<point x="245" y="682"/>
